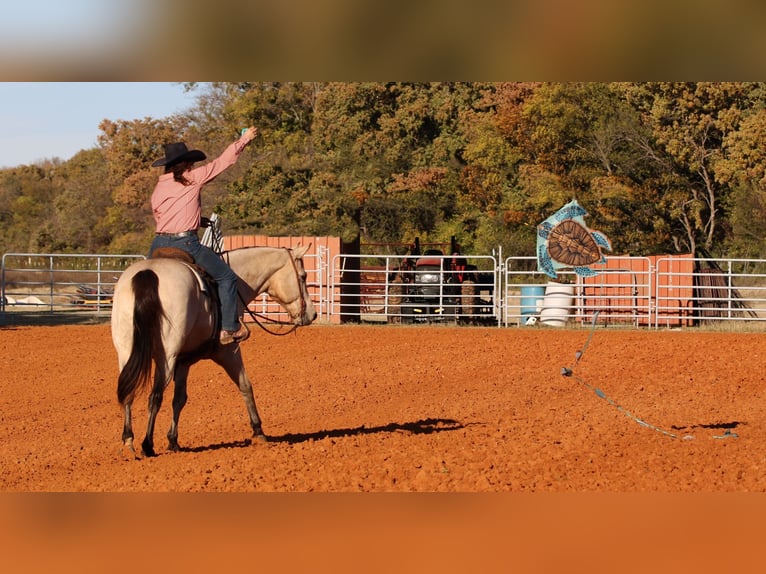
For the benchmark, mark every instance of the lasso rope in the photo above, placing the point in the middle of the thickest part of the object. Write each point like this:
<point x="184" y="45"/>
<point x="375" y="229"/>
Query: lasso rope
<point x="569" y="372"/>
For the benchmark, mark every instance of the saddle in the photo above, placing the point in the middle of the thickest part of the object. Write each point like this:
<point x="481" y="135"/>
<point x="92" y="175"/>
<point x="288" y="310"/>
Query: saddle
<point x="206" y="283"/>
<point x="173" y="253"/>
<point x="205" y="280"/>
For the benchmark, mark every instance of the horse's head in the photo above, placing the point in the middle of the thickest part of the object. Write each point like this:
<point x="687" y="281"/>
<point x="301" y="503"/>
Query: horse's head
<point x="288" y="286"/>
<point x="279" y="272"/>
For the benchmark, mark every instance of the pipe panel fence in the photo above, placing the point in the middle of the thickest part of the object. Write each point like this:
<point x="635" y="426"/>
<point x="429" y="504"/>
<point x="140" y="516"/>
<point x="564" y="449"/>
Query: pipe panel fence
<point x="422" y="289"/>
<point x="55" y="283"/>
<point x="655" y="292"/>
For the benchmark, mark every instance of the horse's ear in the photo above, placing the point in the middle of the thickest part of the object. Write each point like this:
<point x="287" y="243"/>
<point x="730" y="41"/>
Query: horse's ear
<point x="300" y="251"/>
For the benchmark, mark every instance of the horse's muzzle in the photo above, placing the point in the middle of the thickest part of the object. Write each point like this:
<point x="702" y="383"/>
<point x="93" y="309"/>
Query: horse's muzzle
<point x="306" y="318"/>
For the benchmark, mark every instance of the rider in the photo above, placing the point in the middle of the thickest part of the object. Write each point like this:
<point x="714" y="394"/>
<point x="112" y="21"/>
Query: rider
<point x="176" y="205"/>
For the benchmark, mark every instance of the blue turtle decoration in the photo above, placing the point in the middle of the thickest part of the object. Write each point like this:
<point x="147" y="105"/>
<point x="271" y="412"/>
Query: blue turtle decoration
<point x="565" y="242"/>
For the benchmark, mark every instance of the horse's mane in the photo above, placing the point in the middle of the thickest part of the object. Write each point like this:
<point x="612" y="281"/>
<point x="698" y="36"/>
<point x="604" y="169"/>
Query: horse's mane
<point x="247" y="247"/>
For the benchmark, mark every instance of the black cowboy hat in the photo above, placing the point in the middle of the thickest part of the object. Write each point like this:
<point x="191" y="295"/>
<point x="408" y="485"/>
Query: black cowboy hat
<point x="176" y="152"/>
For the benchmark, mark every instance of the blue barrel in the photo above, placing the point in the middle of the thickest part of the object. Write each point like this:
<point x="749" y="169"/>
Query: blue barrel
<point x="529" y="299"/>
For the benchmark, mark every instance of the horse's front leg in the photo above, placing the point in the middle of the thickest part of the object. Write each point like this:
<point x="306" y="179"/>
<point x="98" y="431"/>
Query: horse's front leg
<point x="231" y="361"/>
<point x="179" y="401"/>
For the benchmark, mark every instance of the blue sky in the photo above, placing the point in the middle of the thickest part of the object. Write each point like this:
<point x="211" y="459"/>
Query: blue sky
<point x="45" y="120"/>
<point x="36" y="26"/>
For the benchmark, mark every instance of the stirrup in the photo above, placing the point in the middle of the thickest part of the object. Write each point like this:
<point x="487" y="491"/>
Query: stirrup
<point x="229" y="337"/>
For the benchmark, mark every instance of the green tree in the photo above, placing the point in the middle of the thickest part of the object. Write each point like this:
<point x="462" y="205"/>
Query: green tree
<point x="267" y="191"/>
<point x="389" y="157"/>
<point x="26" y="194"/>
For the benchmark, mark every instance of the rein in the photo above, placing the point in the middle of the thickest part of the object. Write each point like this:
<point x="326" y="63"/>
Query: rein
<point x="257" y="317"/>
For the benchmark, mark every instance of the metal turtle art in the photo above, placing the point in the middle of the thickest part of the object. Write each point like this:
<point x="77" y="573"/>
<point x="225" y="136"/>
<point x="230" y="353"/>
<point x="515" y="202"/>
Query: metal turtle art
<point x="565" y="242"/>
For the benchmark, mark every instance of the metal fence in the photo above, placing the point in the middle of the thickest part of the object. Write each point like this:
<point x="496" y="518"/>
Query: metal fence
<point x="655" y="292"/>
<point x="619" y="293"/>
<point x="422" y="289"/>
<point x="39" y="284"/>
<point x="672" y="291"/>
<point x="45" y="282"/>
<point x="712" y="290"/>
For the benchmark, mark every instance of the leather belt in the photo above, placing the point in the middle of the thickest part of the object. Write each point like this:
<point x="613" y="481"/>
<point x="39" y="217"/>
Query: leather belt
<point x="179" y="235"/>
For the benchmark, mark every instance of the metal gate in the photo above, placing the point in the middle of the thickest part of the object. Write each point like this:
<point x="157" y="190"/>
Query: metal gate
<point x="415" y="289"/>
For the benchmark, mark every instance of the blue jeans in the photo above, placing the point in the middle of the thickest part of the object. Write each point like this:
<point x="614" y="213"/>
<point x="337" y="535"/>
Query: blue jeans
<point x="216" y="267"/>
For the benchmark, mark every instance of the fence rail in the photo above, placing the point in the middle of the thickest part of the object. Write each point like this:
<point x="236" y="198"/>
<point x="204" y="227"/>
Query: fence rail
<point x="719" y="290"/>
<point x="403" y="289"/>
<point x="655" y="292"/>
<point x="673" y="291"/>
<point x="47" y="282"/>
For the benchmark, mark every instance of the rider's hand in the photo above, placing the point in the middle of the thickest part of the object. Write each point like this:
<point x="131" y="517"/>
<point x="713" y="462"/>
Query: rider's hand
<point x="249" y="134"/>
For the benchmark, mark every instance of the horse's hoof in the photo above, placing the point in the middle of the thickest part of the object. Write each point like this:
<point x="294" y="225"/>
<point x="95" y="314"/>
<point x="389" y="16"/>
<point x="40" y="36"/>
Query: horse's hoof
<point x="260" y="439"/>
<point x="148" y="450"/>
<point x="128" y="451"/>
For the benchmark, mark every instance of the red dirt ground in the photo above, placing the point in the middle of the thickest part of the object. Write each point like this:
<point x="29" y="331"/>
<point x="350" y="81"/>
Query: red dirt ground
<point x="396" y="408"/>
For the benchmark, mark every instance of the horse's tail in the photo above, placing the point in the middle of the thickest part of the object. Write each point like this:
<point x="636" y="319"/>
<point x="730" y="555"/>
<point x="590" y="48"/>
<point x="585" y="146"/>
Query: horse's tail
<point x="147" y="335"/>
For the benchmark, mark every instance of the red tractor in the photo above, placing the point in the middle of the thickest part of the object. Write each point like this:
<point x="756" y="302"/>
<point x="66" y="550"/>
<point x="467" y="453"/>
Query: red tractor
<point x="438" y="288"/>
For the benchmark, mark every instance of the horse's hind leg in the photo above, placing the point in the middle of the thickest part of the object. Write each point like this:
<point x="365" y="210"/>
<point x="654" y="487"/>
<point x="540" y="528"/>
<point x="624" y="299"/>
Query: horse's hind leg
<point x="179" y="400"/>
<point x="127" y="429"/>
<point x="155" y="402"/>
<point x="231" y="361"/>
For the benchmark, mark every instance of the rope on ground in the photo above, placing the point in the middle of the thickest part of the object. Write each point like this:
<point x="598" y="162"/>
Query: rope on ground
<point x="569" y="372"/>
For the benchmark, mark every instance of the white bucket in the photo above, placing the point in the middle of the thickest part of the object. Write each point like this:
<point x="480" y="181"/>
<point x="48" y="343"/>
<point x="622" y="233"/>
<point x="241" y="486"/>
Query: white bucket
<point x="558" y="304"/>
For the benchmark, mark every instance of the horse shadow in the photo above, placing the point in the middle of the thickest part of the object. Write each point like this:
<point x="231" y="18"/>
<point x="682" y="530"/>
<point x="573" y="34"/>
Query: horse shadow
<point x="727" y="425"/>
<point x="423" y="426"/>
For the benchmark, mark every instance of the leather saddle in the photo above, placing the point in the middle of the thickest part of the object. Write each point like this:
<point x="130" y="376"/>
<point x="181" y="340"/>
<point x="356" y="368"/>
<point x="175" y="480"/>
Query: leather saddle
<point x="206" y="282"/>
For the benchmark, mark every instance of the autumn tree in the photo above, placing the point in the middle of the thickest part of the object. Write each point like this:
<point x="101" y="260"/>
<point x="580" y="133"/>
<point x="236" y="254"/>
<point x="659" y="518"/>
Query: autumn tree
<point x="580" y="141"/>
<point x="81" y="203"/>
<point x="129" y="148"/>
<point x="691" y="123"/>
<point x="660" y="167"/>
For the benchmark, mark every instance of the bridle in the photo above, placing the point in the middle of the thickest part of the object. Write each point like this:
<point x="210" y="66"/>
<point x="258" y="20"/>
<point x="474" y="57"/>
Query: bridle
<point x="258" y="317"/>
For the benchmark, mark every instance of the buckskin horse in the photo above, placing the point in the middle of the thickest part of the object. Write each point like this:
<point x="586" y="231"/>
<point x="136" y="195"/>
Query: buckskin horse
<point x="162" y="312"/>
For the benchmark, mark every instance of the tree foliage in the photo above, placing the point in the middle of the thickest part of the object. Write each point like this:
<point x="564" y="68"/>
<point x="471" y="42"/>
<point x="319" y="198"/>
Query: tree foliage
<point x="660" y="167"/>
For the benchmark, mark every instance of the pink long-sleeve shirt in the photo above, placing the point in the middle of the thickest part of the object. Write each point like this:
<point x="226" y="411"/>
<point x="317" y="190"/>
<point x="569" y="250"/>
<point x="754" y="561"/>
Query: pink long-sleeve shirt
<point x="177" y="207"/>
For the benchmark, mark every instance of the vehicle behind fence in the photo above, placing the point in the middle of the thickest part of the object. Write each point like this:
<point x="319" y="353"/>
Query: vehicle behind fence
<point x="416" y="289"/>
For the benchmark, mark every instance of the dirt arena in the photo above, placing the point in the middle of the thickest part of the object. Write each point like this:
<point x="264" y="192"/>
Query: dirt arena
<point x="405" y="409"/>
